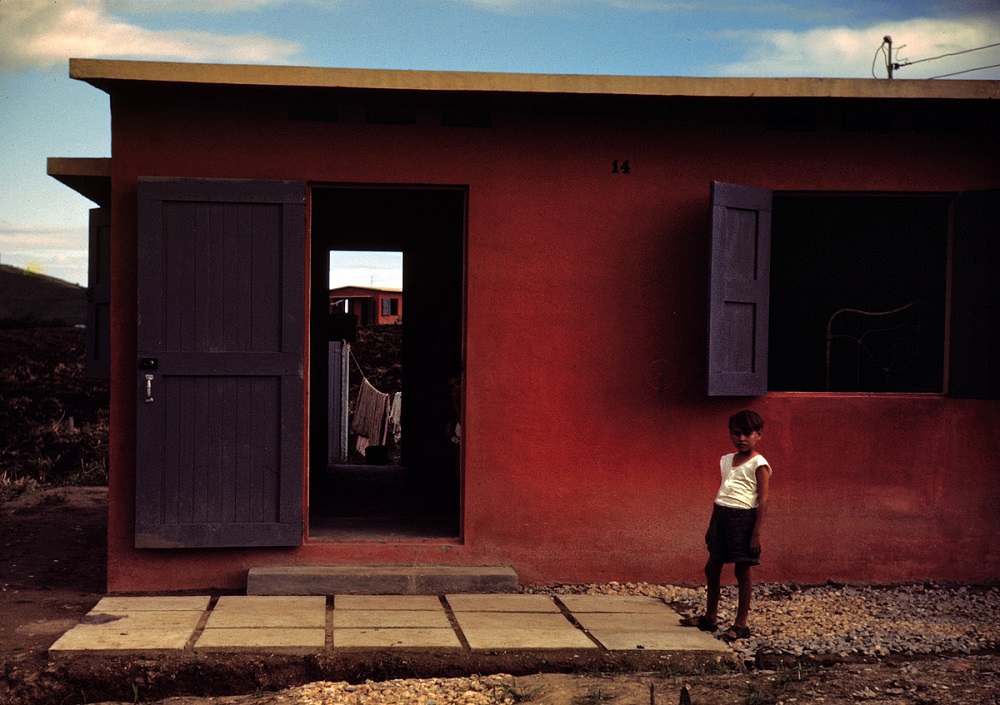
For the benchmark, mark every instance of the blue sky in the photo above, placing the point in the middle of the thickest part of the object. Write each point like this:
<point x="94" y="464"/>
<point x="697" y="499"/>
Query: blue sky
<point x="43" y="113"/>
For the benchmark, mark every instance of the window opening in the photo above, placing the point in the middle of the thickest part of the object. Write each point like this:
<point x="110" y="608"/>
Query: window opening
<point x="858" y="286"/>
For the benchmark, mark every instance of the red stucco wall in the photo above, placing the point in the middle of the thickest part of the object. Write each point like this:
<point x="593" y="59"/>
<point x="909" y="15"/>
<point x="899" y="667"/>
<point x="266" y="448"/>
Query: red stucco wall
<point x="577" y="469"/>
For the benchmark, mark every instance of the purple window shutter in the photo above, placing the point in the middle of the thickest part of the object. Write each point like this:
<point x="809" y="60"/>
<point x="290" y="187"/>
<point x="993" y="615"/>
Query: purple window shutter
<point x="219" y="426"/>
<point x="739" y="290"/>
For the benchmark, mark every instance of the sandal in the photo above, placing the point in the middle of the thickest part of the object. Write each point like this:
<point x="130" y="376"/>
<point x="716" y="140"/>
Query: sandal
<point x="703" y="623"/>
<point x="735" y="633"/>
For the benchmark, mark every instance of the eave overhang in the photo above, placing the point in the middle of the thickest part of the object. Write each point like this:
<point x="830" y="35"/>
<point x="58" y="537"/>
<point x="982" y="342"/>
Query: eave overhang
<point x="106" y="74"/>
<point x="88" y="176"/>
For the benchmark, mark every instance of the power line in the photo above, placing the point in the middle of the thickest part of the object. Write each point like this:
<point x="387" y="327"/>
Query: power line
<point x="956" y="73"/>
<point x="886" y="49"/>
<point x="907" y="62"/>
<point x="875" y="58"/>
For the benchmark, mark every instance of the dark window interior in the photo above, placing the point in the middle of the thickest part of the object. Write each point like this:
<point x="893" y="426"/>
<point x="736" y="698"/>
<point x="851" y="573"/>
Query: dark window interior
<point x="858" y="286"/>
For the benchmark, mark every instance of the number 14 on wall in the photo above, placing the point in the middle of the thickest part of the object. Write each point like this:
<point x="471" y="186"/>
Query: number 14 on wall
<point x="620" y="166"/>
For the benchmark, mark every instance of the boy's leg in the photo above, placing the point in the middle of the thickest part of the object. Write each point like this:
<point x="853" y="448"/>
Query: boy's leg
<point x="713" y="577"/>
<point x="745" y="582"/>
<point x="713" y="581"/>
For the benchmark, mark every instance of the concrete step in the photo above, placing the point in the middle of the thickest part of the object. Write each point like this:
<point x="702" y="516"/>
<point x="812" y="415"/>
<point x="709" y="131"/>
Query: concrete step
<point x="379" y="579"/>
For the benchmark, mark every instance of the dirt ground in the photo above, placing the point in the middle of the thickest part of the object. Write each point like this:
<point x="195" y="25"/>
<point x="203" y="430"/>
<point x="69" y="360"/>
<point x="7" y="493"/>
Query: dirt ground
<point x="52" y="572"/>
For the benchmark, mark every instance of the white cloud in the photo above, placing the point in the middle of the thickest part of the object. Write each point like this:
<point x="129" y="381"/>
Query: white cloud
<point x="58" y="252"/>
<point x="214" y="7"/>
<point x="545" y="5"/>
<point x="709" y="10"/>
<point x="498" y="5"/>
<point x="383" y="270"/>
<point x="849" y="52"/>
<point x="39" y="33"/>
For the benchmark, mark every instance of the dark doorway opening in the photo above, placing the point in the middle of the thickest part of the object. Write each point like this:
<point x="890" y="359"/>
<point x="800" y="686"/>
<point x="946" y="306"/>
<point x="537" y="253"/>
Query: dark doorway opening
<point x="414" y="492"/>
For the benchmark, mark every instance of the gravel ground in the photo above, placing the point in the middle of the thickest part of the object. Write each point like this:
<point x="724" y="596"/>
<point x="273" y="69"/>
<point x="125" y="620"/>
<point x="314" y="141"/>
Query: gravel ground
<point x="842" y="621"/>
<point x="475" y="690"/>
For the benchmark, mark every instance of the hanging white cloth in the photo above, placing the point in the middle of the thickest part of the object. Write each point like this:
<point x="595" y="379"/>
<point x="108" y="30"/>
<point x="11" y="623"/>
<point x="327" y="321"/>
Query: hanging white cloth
<point x="370" y="414"/>
<point x="396" y="416"/>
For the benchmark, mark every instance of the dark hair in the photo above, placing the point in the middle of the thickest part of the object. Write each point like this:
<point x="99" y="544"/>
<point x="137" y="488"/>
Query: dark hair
<point x="746" y="421"/>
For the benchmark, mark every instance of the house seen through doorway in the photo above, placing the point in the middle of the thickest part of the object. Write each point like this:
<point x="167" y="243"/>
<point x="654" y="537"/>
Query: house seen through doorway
<point x="365" y="360"/>
<point x="385" y="364"/>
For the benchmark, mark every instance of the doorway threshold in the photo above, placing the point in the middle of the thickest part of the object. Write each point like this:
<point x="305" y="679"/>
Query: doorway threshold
<point x="383" y="529"/>
<point x="382" y="503"/>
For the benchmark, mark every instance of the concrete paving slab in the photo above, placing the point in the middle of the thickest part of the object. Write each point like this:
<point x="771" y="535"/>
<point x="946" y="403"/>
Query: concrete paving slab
<point x="389" y="637"/>
<point x="631" y="631"/>
<point x="143" y="620"/>
<point x="501" y="603"/>
<point x="103" y="631"/>
<point x="615" y="603"/>
<point x="257" y="638"/>
<point x="387" y="602"/>
<point x="255" y="611"/>
<point x="299" y="623"/>
<point x="114" y="603"/>
<point x="521" y="630"/>
<point x="358" y="619"/>
<point x="99" y="641"/>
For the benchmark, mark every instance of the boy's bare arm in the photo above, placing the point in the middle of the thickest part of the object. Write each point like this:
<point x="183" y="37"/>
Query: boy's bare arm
<point x="763" y="475"/>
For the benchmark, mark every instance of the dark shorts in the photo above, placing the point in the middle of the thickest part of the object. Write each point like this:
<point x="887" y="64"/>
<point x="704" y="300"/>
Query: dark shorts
<point x="729" y="535"/>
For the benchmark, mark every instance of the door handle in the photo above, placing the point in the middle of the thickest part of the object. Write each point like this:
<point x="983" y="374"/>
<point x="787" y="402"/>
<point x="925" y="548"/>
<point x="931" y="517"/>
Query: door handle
<point x="149" y="389"/>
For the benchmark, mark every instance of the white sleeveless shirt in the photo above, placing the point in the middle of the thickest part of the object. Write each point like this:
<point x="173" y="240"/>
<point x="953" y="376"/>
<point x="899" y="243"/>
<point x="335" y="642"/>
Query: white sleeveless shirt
<point x="739" y="484"/>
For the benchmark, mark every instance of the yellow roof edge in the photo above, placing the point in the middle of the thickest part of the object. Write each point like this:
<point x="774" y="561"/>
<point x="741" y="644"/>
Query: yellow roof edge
<point x="88" y="176"/>
<point x="78" y="166"/>
<point x="104" y="71"/>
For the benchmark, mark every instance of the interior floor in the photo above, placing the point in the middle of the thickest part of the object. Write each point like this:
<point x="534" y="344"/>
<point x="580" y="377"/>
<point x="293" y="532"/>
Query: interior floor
<point x="382" y="503"/>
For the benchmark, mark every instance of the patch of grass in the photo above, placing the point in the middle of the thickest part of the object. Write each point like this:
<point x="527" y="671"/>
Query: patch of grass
<point x="515" y="693"/>
<point x="11" y="487"/>
<point x="591" y="697"/>
<point x="759" y="696"/>
<point x="54" y="418"/>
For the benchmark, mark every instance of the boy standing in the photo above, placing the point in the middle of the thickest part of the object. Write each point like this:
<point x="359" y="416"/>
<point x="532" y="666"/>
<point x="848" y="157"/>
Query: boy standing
<point x="734" y="531"/>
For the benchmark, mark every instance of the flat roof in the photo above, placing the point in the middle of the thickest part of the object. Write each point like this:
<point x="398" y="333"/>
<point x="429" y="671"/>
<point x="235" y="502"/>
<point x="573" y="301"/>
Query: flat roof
<point x="105" y="73"/>
<point x="88" y="176"/>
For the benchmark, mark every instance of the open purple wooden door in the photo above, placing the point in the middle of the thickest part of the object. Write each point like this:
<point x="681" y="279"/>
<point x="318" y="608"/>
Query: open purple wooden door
<point x="220" y="402"/>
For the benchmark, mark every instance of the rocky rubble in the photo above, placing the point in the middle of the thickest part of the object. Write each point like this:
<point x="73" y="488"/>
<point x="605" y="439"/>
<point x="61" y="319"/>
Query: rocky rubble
<point x="475" y="690"/>
<point x="842" y="621"/>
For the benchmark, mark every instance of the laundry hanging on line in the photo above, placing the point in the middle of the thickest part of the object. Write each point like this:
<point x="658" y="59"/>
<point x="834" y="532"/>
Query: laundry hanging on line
<point x="371" y="414"/>
<point x="396" y="416"/>
<point x="376" y="414"/>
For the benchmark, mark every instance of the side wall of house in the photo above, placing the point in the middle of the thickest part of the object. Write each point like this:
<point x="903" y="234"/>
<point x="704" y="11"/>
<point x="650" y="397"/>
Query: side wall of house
<point x="591" y="450"/>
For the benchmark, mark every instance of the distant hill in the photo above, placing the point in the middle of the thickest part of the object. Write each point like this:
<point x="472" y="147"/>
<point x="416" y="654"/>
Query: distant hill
<point x="28" y="299"/>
